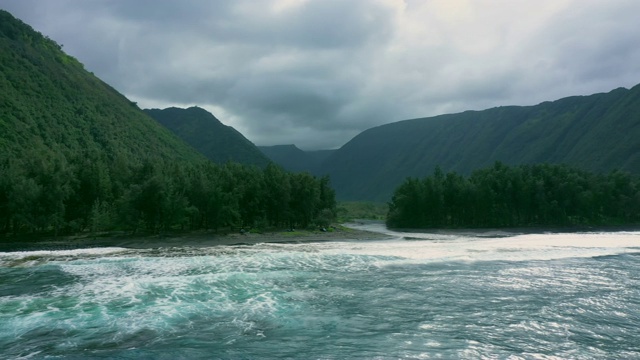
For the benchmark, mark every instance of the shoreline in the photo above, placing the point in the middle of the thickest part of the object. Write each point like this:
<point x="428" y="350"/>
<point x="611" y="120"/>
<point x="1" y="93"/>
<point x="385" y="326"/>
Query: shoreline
<point x="197" y="239"/>
<point x="192" y="239"/>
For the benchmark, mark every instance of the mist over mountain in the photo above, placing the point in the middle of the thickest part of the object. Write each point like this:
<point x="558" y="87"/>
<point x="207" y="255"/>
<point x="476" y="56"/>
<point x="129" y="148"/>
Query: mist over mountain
<point x="203" y="131"/>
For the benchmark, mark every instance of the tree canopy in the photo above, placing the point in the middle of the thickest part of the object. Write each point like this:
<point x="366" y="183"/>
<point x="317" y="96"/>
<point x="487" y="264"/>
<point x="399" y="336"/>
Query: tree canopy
<point x="519" y="196"/>
<point x="69" y="197"/>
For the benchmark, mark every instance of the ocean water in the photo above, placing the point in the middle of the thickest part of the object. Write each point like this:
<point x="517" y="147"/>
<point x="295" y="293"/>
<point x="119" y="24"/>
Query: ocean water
<point x="415" y="296"/>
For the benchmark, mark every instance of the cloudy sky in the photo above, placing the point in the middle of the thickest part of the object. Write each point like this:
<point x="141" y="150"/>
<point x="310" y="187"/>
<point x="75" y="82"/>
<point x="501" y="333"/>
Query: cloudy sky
<point x="317" y="72"/>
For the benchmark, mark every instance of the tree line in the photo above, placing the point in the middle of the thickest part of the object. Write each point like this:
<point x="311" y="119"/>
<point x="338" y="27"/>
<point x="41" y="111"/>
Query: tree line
<point x="46" y="193"/>
<point x="518" y="196"/>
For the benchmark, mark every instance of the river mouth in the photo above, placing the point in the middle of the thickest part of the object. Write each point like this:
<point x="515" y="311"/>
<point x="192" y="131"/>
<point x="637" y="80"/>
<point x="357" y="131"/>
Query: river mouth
<point x="438" y="296"/>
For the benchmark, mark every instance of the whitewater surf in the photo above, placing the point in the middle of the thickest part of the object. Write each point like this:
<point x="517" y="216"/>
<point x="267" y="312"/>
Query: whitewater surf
<point x="419" y="295"/>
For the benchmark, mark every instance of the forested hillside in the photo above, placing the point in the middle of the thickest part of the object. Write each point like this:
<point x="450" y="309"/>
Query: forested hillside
<point x="61" y="130"/>
<point x="598" y="133"/>
<point x="51" y="107"/>
<point x="208" y="135"/>
<point x="77" y="156"/>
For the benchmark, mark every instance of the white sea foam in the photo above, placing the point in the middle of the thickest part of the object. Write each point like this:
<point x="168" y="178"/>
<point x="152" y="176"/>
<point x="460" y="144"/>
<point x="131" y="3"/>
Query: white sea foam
<point x="516" y="247"/>
<point x="413" y="247"/>
<point x="101" y="251"/>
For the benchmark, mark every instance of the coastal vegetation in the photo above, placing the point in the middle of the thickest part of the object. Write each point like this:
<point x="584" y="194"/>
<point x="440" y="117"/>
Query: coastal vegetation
<point x="57" y="196"/>
<point x="518" y="196"/>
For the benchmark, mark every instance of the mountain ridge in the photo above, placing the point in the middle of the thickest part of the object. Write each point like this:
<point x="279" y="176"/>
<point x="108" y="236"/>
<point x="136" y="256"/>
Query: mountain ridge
<point x="42" y="89"/>
<point x="202" y="130"/>
<point x="596" y="132"/>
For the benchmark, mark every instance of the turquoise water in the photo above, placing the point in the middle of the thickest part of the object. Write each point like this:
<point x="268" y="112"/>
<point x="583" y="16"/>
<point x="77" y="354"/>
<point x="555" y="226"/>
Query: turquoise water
<point x="541" y="296"/>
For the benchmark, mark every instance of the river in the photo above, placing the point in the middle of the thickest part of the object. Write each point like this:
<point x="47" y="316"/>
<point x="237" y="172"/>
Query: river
<point x="413" y="296"/>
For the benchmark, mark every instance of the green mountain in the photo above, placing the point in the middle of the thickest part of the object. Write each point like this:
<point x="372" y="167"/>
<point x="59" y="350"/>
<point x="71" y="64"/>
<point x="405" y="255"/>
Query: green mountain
<point x="291" y="158"/>
<point x="207" y="134"/>
<point x="50" y="103"/>
<point x="598" y="133"/>
<point x="78" y="158"/>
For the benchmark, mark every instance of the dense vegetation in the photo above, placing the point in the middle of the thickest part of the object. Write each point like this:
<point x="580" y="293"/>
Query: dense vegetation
<point x="203" y="131"/>
<point x="56" y="196"/>
<point x="503" y="196"/>
<point x="597" y="133"/>
<point x="77" y="156"/>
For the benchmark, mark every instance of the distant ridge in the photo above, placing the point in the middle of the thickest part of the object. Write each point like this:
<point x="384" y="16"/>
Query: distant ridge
<point x="207" y="134"/>
<point x="291" y="158"/>
<point x="600" y="132"/>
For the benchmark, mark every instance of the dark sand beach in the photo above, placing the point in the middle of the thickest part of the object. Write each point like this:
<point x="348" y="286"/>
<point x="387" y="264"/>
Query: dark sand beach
<point x="193" y="239"/>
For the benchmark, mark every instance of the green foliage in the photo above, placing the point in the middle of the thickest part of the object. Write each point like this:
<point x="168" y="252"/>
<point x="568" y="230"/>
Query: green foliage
<point x="52" y="107"/>
<point x="156" y="197"/>
<point x="526" y="195"/>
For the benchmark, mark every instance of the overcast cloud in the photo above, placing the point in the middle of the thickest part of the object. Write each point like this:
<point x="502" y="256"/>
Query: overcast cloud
<point x="318" y="72"/>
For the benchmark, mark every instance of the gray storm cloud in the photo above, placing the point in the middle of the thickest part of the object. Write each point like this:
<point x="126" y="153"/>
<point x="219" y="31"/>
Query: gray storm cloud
<point x="317" y="72"/>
